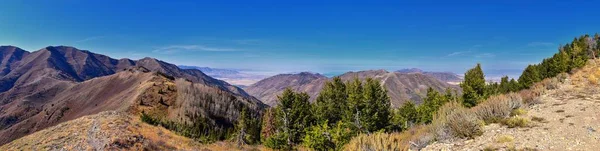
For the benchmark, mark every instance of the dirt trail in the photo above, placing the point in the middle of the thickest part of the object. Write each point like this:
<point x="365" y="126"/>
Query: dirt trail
<point x="568" y="119"/>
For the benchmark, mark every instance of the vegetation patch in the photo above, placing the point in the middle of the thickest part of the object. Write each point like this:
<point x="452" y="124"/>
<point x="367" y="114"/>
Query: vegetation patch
<point x="518" y="112"/>
<point x="516" y="122"/>
<point x="505" y="139"/>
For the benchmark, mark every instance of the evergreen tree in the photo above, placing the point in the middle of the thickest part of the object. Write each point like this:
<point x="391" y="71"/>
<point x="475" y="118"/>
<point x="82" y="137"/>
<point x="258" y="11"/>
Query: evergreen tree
<point x="331" y="102"/>
<point x="404" y="117"/>
<point x="430" y="105"/>
<point x="514" y="85"/>
<point x="293" y="117"/>
<point x="248" y="129"/>
<point x="268" y="123"/>
<point x="473" y="86"/>
<point x="376" y="112"/>
<point x="355" y="102"/>
<point x="504" y="85"/>
<point x="529" y="76"/>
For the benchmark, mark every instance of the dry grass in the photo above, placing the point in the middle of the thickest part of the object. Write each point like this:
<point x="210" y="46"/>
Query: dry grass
<point x="530" y="97"/>
<point x="380" y="141"/>
<point x="505" y="139"/>
<point x="498" y="107"/>
<point x="518" y="112"/>
<point x="516" y="122"/>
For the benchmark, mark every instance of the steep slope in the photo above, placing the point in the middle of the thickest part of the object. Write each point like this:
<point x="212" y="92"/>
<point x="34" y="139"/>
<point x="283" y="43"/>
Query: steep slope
<point x="447" y="77"/>
<point x="401" y="86"/>
<point x="267" y="89"/>
<point x="566" y="119"/>
<point x="57" y="84"/>
<point x="9" y="56"/>
<point x="132" y="91"/>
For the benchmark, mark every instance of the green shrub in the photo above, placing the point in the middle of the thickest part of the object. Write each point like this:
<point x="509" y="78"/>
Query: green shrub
<point x="516" y="122"/>
<point x="319" y="137"/>
<point x="278" y="141"/>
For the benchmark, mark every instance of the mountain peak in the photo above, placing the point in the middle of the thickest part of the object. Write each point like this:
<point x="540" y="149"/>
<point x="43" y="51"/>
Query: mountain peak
<point x="410" y="70"/>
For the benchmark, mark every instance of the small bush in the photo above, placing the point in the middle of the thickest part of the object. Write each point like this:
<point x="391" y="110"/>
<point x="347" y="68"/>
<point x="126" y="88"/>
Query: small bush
<point x="277" y="141"/>
<point x="530" y="97"/>
<point x="516" y="122"/>
<point x="464" y="124"/>
<point x="505" y="139"/>
<point x="498" y="107"/>
<point x="552" y="83"/>
<point x="593" y="79"/>
<point x="517" y="112"/>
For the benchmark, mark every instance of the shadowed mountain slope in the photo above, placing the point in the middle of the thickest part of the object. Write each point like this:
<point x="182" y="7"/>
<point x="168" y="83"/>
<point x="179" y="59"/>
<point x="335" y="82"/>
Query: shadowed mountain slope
<point x="57" y="84"/>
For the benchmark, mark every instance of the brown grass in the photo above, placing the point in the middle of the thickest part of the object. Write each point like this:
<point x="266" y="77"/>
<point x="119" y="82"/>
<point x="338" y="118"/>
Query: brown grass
<point x="498" y="107"/>
<point x="381" y="141"/>
<point x="530" y="97"/>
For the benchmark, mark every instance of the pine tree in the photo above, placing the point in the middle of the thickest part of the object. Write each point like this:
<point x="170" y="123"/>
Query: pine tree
<point x="504" y="85"/>
<point x="529" y="76"/>
<point x="430" y="105"/>
<point x="293" y="116"/>
<point x="514" y="85"/>
<point x="355" y="102"/>
<point x="376" y="112"/>
<point x="473" y="86"/>
<point x="331" y="102"/>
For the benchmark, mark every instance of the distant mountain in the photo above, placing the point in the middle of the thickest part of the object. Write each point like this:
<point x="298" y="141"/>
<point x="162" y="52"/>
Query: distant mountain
<point x="267" y="89"/>
<point x="401" y="86"/>
<point x="57" y="84"/>
<point x="236" y="77"/>
<point x="448" y="77"/>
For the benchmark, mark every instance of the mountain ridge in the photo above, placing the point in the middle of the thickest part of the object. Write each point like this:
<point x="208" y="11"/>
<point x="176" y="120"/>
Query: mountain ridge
<point x="57" y="84"/>
<point x="401" y="86"/>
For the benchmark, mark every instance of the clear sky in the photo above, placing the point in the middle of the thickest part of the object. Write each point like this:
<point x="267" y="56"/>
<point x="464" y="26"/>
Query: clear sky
<point x="317" y="36"/>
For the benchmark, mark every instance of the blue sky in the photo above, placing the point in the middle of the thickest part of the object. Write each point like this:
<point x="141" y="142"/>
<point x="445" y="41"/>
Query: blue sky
<point x="317" y="36"/>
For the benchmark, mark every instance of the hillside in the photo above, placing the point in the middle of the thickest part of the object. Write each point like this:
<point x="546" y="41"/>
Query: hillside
<point x="566" y="119"/>
<point x="58" y="84"/>
<point x="111" y="131"/>
<point x="401" y="86"/>
<point x="447" y="77"/>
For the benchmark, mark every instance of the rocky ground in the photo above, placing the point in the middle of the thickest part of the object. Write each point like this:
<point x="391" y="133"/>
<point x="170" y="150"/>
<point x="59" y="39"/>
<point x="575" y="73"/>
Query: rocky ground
<point x="111" y="131"/>
<point x="567" y="119"/>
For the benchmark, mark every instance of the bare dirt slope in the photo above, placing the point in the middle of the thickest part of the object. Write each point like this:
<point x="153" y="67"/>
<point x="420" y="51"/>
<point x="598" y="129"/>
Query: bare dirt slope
<point x="567" y="119"/>
<point x="111" y="131"/>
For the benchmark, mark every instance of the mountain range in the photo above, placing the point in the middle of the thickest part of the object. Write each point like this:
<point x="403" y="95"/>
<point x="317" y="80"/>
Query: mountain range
<point x="236" y="77"/>
<point x="401" y="87"/>
<point x="59" y="83"/>
<point x="448" y="77"/>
